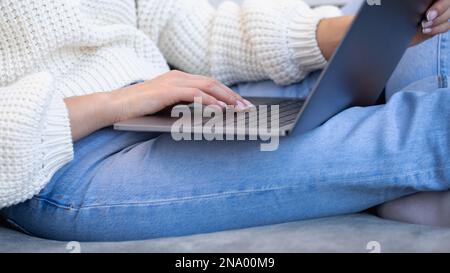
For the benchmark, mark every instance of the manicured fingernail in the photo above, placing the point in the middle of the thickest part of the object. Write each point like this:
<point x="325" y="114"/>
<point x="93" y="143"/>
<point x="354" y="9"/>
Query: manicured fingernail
<point x="241" y="106"/>
<point x="427" y="30"/>
<point x="248" y="103"/>
<point x="431" y="15"/>
<point x="222" y="104"/>
<point x="427" y="24"/>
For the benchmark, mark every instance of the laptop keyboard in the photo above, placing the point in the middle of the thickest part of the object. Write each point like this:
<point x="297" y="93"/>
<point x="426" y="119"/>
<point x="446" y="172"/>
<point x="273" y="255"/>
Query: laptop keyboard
<point x="288" y="113"/>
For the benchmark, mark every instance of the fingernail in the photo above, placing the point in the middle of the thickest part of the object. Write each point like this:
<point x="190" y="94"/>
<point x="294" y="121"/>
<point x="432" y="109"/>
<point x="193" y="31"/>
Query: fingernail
<point x="241" y="106"/>
<point x="222" y="104"/>
<point x="431" y="15"/>
<point x="427" y="24"/>
<point x="427" y="30"/>
<point x="248" y="103"/>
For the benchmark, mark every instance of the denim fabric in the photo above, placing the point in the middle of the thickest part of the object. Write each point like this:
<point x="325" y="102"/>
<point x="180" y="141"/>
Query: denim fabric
<point x="414" y="72"/>
<point x="130" y="186"/>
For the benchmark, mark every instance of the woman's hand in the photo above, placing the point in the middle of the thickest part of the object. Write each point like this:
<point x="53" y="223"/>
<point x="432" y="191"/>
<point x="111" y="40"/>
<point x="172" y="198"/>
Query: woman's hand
<point x="435" y="22"/>
<point x="93" y="112"/>
<point x="172" y="88"/>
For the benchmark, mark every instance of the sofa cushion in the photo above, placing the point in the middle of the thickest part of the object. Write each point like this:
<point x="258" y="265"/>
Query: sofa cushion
<point x="351" y="233"/>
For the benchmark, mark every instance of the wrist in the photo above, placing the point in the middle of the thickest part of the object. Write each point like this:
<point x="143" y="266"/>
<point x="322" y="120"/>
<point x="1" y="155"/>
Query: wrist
<point x="90" y="113"/>
<point x="330" y="33"/>
<point x="107" y="108"/>
<point x="116" y="102"/>
<point x="126" y="103"/>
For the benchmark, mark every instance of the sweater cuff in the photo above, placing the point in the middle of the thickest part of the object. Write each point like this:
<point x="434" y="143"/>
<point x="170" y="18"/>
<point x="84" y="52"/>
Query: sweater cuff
<point x="57" y="145"/>
<point x="302" y="38"/>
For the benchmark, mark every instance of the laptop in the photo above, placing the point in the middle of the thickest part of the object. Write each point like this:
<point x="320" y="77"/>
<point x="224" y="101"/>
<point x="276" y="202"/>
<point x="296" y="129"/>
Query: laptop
<point x="355" y="76"/>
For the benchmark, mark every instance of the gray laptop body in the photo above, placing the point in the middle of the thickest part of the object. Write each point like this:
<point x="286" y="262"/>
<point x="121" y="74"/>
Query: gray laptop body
<point x="355" y="76"/>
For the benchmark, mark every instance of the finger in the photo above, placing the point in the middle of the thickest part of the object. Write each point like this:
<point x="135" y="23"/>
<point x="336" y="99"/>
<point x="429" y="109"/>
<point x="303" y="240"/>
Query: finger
<point x="443" y="18"/>
<point x="194" y="94"/>
<point x="438" y="21"/>
<point x="213" y="88"/>
<point x="190" y="81"/>
<point x="438" y="9"/>
<point x="442" y="28"/>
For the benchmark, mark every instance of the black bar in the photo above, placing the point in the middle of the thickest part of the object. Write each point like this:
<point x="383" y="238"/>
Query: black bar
<point x="237" y="262"/>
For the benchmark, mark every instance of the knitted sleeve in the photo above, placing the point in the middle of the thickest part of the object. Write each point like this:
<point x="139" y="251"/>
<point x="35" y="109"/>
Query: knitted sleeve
<point x="35" y="137"/>
<point x="270" y="39"/>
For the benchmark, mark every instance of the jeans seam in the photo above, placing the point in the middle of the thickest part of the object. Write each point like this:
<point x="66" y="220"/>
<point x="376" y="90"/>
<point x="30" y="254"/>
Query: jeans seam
<point x="222" y="195"/>
<point x="55" y="204"/>
<point x="442" y="60"/>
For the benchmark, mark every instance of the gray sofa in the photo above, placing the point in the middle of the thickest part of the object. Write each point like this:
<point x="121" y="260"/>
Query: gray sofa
<point x="351" y="233"/>
<point x="361" y="233"/>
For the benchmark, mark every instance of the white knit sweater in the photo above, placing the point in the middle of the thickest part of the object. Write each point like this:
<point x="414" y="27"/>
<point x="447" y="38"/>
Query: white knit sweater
<point x="53" y="49"/>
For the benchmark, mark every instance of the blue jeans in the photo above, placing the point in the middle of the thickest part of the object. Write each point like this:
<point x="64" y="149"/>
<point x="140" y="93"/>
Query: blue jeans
<point x="131" y="186"/>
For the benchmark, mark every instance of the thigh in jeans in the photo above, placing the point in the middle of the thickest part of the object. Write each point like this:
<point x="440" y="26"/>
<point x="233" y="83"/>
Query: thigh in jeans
<point x="125" y="187"/>
<point x="425" y="66"/>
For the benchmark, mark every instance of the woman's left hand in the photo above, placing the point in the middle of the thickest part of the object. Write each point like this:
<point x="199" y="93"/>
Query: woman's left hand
<point x="435" y="22"/>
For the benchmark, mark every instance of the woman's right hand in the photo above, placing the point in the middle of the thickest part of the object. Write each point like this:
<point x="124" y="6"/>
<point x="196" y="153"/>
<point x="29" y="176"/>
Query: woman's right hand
<point x="170" y="89"/>
<point x="93" y="112"/>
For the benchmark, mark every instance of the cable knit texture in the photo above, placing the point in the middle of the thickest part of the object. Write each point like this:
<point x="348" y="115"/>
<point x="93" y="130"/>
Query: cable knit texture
<point x="53" y="49"/>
